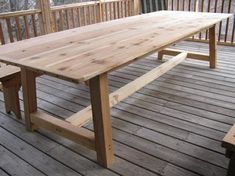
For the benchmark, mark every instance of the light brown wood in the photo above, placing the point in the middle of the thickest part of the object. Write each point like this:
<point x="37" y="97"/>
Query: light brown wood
<point x="136" y="7"/>
<point x="191" y="55"/>
<point x="229" y="143"/>
<point x="20" y="13"/>
<point x="85" y="115"/>
<point x="212" y="47"/>
<point x="7" y="72"/>
<point x="44" y="6"/>
<point x="129" y="38"/>
<point x="73" y="17"/>
<point x="102" y="120"/>
<point x="11" y="82"/>
<point x="229" y="139"/>
<point x="90" y="52"/>
<point x="61" y="20"/>
<point x="79" y="135"/>
<point x="18" y="29"/>
<point x="9" y="29"/>
<point x="28" y="80"/>
<point x="2" y="38"/>
<point x="10" y="86"/>
<point x="34" y="25"/>
<point x="26" y="27"/>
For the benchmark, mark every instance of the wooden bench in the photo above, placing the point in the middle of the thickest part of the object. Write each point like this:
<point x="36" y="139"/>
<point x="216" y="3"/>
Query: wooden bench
<point x="11" y="82"/>
<point x="229" y="144"/>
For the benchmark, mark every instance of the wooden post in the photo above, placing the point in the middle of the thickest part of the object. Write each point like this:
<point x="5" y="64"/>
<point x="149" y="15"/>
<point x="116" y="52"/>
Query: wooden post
<point x="212" y="47"/>
<point x="101" y="119"/>
<point x="136" y="7"/>
<point x="44" y="5"/>
<point x="28" y="80"/>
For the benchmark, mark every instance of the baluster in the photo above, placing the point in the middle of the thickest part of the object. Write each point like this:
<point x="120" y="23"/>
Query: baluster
<point x="61" y="20"/>
<point x="26" y="27"/>
<point x="67" y="18"/>
<point x="54" y="14"/>
<point x="2" y="39"/>
<point x="189" y="5"/>
<point x="227" y="21"/>
<point x="202" y="9"/>
<point x="9" y="28"/>
<point x="220" y="25"/>
<point x="79" y="16"/>
<point x="233" y="31"/>
<point x="85" y="15"/>
<point x="183" y="4"/>
<point x="215" y="8"/>
<point x="177" y="4"/>
<point x="18" y="29"/>
<point x="89" y="14"/>
<point x="73" y="18"/>
<point x="208" y="10"/>
<point x="34" y="25"/>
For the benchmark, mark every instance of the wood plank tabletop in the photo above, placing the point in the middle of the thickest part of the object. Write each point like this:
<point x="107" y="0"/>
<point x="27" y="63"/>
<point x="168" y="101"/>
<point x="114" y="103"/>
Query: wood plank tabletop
<point x="82" y="53"/>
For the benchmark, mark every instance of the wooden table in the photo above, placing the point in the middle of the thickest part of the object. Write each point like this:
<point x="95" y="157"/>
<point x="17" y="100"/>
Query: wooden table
<point x="89" y="53"/>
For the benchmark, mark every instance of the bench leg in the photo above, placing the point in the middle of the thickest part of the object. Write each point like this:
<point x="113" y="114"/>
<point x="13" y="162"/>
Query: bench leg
<point x="28" y="78"/>
<point x="101" y="120"/>
<point x="11" y="95"/>
<point x="231" y="168"/>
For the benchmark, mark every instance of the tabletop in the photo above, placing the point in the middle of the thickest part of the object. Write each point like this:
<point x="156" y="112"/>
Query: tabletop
<point x="82" y="53"/>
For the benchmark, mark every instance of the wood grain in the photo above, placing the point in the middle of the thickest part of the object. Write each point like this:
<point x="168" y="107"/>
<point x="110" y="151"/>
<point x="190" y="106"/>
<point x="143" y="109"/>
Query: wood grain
<point x="138" y="36"/>
<point x="82" y="117"/>
<point x="102" y="120"/>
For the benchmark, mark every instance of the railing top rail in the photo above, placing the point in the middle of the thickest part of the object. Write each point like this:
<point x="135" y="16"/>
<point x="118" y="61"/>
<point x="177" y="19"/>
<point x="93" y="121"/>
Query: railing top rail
<point x="80" y="4"/>
<point x="53" y="8"/>
<point x="19" y="13"/>
<point x="69" y="6"/>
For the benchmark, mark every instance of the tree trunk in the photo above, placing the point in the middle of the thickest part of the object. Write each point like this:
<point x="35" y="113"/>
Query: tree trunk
<point x="26" y="2"/>
<point x="13" y="5"/>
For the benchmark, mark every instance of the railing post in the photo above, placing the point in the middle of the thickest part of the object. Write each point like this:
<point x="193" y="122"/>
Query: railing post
<point x="44" y="5"/>
<point x="100" y="10"/>
<point x="166" y="4"/>
<point x="196" y="5"/>
<point x="137" y="7"/>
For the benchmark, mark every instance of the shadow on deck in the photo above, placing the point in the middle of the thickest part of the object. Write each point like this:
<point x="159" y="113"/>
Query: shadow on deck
<point x="172" y="127"/>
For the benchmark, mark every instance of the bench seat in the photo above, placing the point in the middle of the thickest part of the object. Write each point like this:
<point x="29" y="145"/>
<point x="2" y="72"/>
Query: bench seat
<point x="229" y="143"/>
<point x="11" y="83"/>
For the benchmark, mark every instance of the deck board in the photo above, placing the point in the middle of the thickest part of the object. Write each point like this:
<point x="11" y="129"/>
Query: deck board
<point x="171" y="127"/>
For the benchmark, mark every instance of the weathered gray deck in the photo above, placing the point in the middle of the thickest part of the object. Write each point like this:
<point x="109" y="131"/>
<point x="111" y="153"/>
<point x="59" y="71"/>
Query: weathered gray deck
<point x="172" y="127"/>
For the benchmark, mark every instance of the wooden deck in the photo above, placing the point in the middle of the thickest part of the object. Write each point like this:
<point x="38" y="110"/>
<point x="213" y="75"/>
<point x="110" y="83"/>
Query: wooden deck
<point x="172" y="127"/>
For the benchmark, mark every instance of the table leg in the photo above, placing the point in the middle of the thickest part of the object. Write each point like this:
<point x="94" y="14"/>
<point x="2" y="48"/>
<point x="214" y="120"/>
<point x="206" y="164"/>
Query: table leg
<point x="212" y="47"/>
<point x="160" y="55"/>
<point x="28" y="79"/>
<point x="231" y="168"/>
<point x="101" y="119"/>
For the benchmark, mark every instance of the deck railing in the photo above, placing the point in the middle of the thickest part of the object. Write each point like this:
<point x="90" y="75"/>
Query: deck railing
<point x="81" y="14"/>
<point x="19" y="25"/>
<point x="225" y="29"/>
<point x="15" y="26"/>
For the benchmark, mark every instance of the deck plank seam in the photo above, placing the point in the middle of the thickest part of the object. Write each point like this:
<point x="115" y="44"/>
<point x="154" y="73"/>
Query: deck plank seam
<point x="20" y="156"/>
